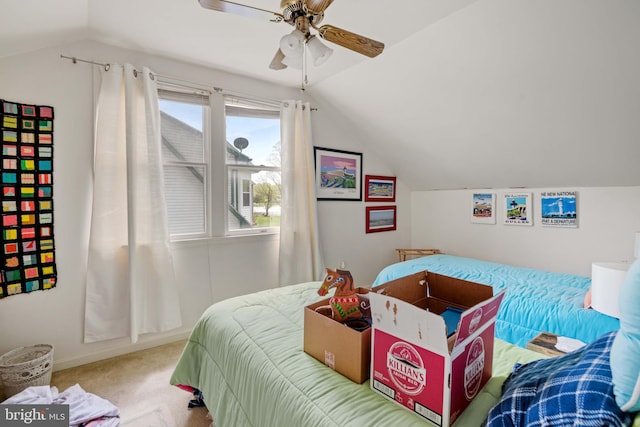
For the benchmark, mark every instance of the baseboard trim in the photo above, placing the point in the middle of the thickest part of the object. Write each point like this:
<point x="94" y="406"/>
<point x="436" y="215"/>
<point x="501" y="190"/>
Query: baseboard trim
<point x="119" y="350"/>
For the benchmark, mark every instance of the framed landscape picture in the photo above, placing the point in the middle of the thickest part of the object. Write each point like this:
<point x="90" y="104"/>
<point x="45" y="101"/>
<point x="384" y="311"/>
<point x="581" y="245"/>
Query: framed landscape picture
<point x="379" y="188"/>
<point x="380" y="218"/>
<point x="338" y="174"/>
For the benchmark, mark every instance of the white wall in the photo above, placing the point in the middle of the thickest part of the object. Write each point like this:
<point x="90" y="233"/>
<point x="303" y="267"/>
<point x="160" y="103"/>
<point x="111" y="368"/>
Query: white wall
<point x="608" y="218"/>
<point x="504" y="93"/>
<point x="342" y="223"/>
<point x="207" y="271"/>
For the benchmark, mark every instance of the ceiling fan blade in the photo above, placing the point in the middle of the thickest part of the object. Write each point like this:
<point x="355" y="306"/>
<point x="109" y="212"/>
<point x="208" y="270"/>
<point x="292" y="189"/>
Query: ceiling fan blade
<point x="276" y="62"/>
<point x="355" y="42"/>
<point x="317" y="6"/>
<point x="240" y="9"/>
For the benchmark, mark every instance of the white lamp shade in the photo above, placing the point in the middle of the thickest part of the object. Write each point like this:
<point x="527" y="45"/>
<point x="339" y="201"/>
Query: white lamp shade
<point x="276" y="62"/>
<point x="292" y="44"/>
<point x="319" y="51"/>
<point x="636" y="248"/>
<point x="606" y="281"/>
<point x="293" y="62"/>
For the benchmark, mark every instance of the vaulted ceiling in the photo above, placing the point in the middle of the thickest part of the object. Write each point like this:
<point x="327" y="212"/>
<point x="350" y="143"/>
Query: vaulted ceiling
<point x="467" y="93"/>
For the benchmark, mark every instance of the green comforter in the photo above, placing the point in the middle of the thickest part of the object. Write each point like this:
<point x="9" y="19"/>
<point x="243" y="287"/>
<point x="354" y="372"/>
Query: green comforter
<point x="245" y="355"/>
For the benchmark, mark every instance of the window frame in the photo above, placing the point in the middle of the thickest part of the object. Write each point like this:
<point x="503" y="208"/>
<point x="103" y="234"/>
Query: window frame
<point x="189" y="95"/>
<point x="239" y="104"/>
<point x="216" y="214"/>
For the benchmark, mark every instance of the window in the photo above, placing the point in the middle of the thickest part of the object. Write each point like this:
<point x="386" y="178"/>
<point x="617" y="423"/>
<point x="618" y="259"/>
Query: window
<point x="253" y="164"/>
<point x="246" y="192"/>
<point x="184" y="152"/>
<point x="200" y="201"/>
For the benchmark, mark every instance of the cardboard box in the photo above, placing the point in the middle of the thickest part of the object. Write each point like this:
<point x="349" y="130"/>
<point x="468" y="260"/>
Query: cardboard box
<point x="415" y="364"/>
<point x="336" y="345"/>
<point x="342" y="348"/>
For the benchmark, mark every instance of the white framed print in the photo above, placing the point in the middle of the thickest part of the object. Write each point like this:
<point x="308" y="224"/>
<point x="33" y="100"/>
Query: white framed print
<point x="518" y="209"/>
<point x="559" y="208"/>
<point x="483" y="208"/>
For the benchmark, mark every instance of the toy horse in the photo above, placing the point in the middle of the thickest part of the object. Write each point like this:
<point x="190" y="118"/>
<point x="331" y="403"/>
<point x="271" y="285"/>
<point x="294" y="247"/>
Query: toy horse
<point x="345" y="303"/>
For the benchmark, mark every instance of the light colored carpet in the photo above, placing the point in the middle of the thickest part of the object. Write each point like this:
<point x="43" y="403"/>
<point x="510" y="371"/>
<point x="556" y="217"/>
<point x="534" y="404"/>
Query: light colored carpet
<point x="138" y="384"/>
<point x="156" y="417"/>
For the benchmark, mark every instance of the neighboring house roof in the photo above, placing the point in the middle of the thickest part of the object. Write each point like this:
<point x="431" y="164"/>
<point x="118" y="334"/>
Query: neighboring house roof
<point x="184" y="142"/>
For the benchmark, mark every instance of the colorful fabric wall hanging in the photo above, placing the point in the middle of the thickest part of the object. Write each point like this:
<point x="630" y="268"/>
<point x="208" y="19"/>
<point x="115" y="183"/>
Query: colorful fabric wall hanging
<point x="27" y="259"/>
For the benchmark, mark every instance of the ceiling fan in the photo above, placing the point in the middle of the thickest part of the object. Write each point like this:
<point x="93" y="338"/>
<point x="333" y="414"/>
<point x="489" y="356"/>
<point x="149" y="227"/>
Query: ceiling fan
<point x="303" y="15"/>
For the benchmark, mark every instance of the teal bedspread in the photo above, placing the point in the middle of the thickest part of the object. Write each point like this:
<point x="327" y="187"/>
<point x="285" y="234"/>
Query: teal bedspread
<point x="245" y="355"/>
<point x="535" y="301"/>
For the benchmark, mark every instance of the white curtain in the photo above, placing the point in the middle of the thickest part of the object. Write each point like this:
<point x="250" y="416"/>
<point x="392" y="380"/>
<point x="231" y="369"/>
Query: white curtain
<point x="300" y="257"/>
<point x="131" y="287"/>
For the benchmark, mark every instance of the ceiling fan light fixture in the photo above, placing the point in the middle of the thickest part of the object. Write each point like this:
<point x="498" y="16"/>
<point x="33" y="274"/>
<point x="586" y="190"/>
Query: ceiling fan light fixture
<point x="293" y="62"/>
<point x="276" y="62"/>
<point x="292" y="45"/>
<point x="319" y="51"/>
<point x="305" y="15"/>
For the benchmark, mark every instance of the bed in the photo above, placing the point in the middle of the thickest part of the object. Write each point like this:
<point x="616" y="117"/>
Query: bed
<point x="245" y="356"/>
<point x="535" y="301"/>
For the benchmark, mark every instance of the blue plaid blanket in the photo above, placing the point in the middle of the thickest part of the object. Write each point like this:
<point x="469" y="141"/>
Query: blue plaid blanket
<point x="572" y="390"/>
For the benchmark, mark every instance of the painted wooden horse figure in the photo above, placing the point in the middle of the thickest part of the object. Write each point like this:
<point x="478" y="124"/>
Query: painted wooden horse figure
<point x="346" y="303"/>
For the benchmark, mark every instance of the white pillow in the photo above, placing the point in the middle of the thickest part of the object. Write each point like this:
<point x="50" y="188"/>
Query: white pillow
<point x="625" y="351"/>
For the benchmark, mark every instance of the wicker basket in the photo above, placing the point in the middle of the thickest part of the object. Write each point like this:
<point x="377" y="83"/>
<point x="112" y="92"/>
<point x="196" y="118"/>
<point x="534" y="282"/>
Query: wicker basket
<point x="25" y="367"/>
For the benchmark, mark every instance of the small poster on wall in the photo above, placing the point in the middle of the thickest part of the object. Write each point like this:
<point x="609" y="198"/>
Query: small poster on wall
<point x="484" y="208"/>
<point x="559" y="208"/>
<point x="518" y="209"/>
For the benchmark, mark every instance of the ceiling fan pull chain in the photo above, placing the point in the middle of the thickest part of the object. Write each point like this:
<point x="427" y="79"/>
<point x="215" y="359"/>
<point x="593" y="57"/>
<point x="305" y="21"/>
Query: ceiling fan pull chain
<point x="303" y="76"/>
<point x="305" y="66"/>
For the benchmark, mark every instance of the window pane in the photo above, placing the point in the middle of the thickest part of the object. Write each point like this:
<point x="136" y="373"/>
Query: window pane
<point x="181" y="128"/>
<point x="266" y="199"/>
<point x="185" y="190"/>
<point x="246" y="192"/>
<point x="253" y="142"/>
<point x="258" y="209"/>
<point x="185" y="166"/>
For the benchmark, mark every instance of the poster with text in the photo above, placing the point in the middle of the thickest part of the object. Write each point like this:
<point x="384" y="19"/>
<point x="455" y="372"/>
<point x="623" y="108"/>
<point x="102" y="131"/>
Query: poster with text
<point x="559" y="208"/>
<point x="483" y="209"/>
<point x="518" y="209"/>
